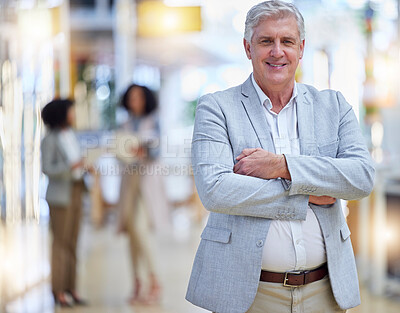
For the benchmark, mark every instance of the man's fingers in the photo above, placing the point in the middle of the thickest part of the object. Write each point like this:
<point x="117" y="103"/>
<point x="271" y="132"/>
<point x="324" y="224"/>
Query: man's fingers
<point x="246" y="152"/>
<point x="322" y="200"/>
<point x="240" y="168"/>
<point x="328" y="199"/>
<point x="236" y="167"/>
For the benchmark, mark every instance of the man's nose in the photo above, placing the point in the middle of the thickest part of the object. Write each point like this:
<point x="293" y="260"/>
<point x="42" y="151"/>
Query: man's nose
<point x="277" y="50"/>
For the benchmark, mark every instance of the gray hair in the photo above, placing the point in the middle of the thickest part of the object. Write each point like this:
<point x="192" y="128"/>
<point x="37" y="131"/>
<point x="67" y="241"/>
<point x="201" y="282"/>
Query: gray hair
<point x="273" y="8"/>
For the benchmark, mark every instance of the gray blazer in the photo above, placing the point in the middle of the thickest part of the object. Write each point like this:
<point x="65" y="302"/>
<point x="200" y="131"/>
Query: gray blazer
<point x="334" y="161"/>
<point x="55" y="165"/>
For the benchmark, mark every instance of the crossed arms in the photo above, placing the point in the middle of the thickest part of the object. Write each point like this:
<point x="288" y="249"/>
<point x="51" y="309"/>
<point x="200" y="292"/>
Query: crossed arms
<point x="251" y="188"/>
<point x="260" y="163"/>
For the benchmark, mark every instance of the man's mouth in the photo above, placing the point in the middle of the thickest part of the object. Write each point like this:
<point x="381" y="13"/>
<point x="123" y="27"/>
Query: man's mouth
<point x="276" y="65"/>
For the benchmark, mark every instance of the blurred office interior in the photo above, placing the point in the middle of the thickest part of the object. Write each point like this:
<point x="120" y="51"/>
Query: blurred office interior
<point x="91" y="50"/>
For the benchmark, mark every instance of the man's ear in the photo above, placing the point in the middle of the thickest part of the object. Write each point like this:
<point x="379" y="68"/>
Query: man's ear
<point x="303" y="42"/>
<point x="246" y="45"/>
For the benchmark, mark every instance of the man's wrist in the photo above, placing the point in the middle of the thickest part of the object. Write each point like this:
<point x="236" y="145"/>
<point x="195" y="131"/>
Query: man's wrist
<point x="284" y="169"/>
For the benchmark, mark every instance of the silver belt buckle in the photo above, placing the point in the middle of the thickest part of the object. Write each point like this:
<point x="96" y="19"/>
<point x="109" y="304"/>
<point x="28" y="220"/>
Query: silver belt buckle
<point x="286" y="279"/>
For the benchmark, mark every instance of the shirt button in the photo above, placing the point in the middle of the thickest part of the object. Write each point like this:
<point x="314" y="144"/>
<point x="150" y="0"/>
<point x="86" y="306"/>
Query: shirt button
<point x="298" y="241"/>
<point x="260" y="243"/>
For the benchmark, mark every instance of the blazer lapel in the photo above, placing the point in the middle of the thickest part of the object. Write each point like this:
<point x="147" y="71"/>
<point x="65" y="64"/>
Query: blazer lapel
<point x="256" y="114"/>
<point x="305" y="120"/>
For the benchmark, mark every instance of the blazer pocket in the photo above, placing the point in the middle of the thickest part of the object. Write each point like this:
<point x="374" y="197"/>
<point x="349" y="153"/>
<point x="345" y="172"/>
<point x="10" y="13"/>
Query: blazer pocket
<point x="345" y="232"/>
<point x="216" y="234"/>
<point x="329" y="149"/>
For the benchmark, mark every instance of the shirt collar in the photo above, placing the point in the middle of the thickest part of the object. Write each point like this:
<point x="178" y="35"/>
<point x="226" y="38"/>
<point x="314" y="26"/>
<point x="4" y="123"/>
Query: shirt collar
<point x="263" y="97"/>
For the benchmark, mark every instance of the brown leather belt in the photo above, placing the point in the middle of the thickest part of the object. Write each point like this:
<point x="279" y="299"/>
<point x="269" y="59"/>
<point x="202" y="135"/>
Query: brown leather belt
<point x="295" y="278"/>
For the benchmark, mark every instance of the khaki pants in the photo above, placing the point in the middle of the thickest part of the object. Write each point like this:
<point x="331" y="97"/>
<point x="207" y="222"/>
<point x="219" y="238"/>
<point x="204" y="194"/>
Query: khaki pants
<point x="316" y="297"/>
<point x="65" y="225"/>
<point x="138" y="235"/>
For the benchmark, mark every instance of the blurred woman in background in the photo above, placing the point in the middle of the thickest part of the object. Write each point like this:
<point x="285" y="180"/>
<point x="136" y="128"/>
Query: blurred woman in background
<point x="140" y="182"/>
<point x="62" y="163"/>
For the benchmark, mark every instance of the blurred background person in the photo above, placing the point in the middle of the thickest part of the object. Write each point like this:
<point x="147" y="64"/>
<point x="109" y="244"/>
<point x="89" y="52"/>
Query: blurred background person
<point x="141" y="183"/>
<point x="62" y="163"/>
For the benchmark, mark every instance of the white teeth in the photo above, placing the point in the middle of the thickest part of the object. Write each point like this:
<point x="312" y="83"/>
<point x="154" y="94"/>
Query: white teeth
<point x="276" y="65"/>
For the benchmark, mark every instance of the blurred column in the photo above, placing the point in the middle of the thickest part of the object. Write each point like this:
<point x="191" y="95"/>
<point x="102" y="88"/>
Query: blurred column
<point x="398" y="48"/>
<point x="124" y="32"/>
<point x="171" y="104"/>
<point x="363" y="239"/>
<point x="374" y="100"/>
<point x="65" y="51"/>
<point x="379" y="257"/>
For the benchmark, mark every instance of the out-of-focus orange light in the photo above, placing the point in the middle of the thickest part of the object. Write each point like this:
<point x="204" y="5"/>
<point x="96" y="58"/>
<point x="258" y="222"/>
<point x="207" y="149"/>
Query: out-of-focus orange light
<point x="156" y="19"/>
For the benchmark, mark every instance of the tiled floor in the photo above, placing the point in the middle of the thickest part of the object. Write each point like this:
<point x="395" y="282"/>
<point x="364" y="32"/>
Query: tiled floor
<point x="105" y="275"/>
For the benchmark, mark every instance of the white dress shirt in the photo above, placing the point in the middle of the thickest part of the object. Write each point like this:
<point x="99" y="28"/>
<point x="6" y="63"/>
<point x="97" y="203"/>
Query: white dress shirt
<point x="290" y="245"/>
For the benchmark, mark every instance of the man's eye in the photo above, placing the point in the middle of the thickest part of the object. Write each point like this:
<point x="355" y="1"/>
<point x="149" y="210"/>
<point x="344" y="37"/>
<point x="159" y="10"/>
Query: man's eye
<point x="288" y="42"/>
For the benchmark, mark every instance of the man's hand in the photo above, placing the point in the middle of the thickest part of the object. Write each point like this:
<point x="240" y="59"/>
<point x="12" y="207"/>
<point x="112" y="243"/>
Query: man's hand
<point x="260" y="163"/>
<point x="321" y="200"/>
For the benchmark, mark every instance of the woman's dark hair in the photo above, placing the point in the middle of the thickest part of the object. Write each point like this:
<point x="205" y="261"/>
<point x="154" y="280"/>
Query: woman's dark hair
<point x="150" y="99"/>
<point x="54" y="114"/>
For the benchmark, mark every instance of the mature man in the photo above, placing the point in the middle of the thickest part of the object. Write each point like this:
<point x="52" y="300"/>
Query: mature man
<point x="271" y="157"/>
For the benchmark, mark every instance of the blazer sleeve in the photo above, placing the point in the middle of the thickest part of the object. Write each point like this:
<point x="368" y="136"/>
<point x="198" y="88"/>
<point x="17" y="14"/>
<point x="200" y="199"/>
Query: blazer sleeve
<point x="349" y="175"/>
<point x="53" y="164"/>
<point x="223" y="191"/>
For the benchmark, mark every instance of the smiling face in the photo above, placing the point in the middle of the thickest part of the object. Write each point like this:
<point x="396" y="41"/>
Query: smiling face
<point x="275" y="50"/>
